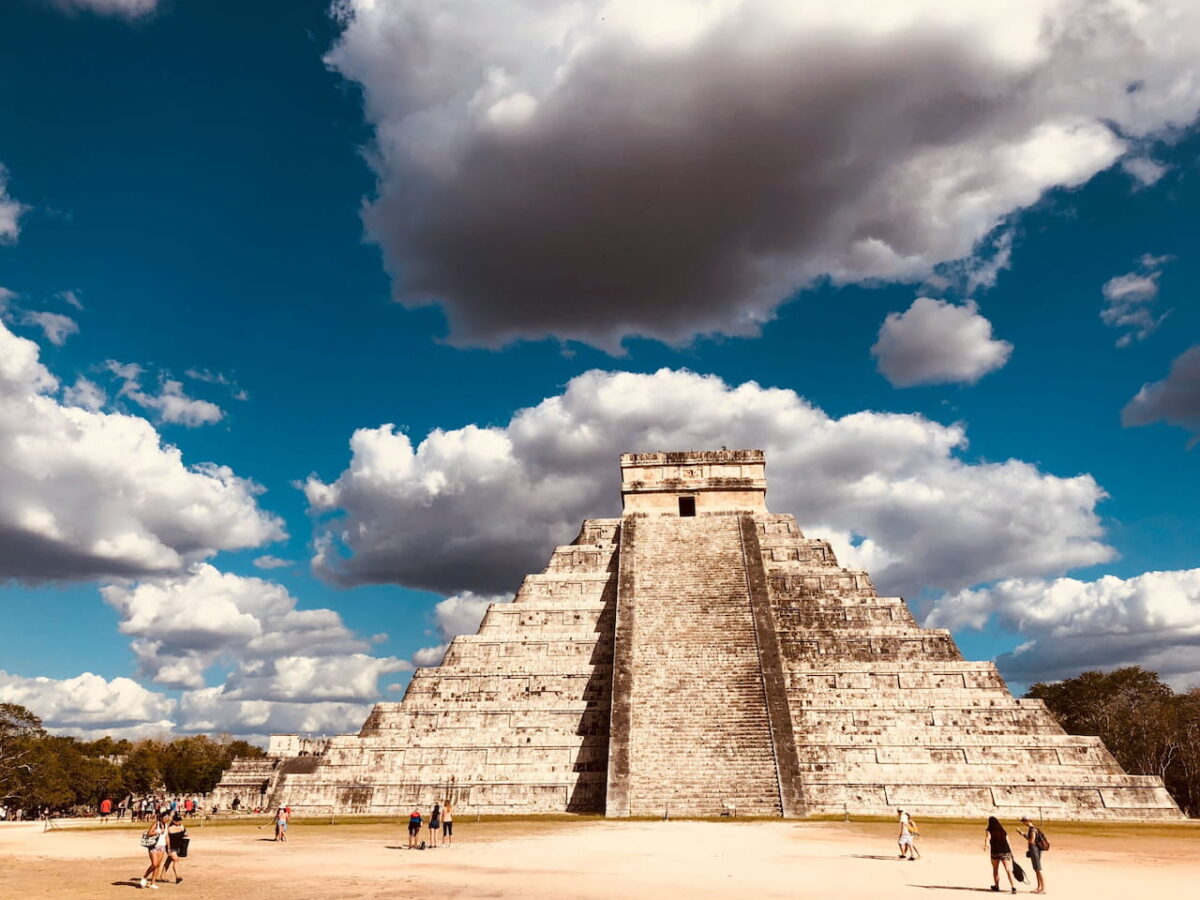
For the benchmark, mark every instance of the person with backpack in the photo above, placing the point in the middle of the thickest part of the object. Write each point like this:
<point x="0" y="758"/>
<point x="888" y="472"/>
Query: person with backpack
<point x="1036" y="839"/>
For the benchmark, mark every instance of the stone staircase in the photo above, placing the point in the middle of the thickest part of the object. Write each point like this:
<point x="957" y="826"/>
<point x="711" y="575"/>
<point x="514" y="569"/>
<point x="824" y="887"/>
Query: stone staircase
<point x="698" y="737"/>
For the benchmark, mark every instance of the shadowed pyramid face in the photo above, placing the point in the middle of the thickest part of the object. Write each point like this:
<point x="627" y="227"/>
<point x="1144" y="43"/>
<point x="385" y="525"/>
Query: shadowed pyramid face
<point x="700" y="656"/>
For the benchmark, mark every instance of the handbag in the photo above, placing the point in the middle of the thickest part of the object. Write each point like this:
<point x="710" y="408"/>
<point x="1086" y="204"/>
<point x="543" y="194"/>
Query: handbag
<point x="149" y="840"/>
<point x="1018" y="872"/>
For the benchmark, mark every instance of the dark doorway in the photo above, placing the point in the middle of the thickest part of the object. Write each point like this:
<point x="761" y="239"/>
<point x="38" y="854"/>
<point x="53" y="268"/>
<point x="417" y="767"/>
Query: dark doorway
<point x="687" y="506"/>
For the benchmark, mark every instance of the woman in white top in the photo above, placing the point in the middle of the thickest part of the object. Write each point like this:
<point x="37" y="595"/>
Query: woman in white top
<point x="157" y="851"/>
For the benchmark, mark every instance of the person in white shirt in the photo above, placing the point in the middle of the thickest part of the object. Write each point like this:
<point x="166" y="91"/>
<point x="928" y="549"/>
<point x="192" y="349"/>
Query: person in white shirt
<point x="905" y="840"/>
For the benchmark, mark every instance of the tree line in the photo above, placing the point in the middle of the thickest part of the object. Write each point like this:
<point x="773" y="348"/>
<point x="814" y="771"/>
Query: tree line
<point x="39" y="770"/>
<point x="1149" y="728"/>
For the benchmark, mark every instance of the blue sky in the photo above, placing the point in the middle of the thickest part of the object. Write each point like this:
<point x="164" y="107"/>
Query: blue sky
<point x="196" y="174"/>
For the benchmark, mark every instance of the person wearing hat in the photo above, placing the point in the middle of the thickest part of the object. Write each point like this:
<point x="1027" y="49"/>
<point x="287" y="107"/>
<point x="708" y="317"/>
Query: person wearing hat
<point x="1031" y="834"/>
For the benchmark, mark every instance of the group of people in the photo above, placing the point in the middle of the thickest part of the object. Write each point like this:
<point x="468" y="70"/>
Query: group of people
<point x="166" y="840"/>
<point x="147" y="807"/>
<point x="441" y="821"/>
<point x="995" y="842"/>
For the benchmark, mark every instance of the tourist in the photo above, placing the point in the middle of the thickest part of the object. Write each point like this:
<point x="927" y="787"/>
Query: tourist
<point x="237" y="801"/>
<point x="122" y="808"/>
<point x="155" y="841"/>
<point x="447" y="823"/>
<point x="904" y="841"/>
<point x="105" y="809"/>
<point x="177" y="843"/>
<point x="282" y="814"/>
<point x="996" y="841"/>
<point x="913" y="834"/>
<point x="1033" y="837"/>
<point x="435" y="824"/>
<point x="414" y="828"/>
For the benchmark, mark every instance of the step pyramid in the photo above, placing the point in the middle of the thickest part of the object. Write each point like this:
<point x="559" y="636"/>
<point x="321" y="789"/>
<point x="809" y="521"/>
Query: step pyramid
<point x="696" y="657"/>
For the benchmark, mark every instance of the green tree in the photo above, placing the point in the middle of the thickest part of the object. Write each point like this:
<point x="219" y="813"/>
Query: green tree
<point x="1148" y="728"/>
<point x="20" y="732"/>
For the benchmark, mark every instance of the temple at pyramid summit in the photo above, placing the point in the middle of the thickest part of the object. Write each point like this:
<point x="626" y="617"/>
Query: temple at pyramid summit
<point x="695" y="657"/>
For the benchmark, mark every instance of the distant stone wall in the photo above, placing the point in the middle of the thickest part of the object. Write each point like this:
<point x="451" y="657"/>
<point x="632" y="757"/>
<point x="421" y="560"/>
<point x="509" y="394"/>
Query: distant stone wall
<point x="283" y="745"/>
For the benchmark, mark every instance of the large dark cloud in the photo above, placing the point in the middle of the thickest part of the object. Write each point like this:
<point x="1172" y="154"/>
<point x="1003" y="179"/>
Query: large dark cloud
<point x="596" y="170"/>
<point x="1175" y="399"/>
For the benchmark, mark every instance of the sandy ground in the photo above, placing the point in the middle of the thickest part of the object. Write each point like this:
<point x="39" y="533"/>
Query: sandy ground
<point x="595" y="859"/>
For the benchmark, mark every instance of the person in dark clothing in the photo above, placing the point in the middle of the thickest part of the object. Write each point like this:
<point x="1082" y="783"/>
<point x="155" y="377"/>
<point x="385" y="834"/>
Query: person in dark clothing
<point x="414" y="828"/>
<point x="995" y="841"/>
<point x="177" y="841"/>
<point x="435" y="824"/>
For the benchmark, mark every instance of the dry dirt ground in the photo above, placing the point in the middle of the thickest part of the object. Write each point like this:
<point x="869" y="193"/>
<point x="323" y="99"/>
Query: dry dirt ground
<point x="595" y="859"/>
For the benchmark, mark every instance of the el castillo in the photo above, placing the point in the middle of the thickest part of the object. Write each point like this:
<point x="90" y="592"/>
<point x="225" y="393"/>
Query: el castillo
<point x="699" y="656"/>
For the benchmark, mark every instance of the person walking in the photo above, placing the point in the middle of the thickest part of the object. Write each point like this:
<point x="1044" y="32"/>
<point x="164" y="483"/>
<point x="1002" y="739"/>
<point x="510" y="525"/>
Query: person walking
<point x="177" y="843"/>
<point x="995" y="840"/>
<point x="435" y="824"/>
<point x="1036" y="841"/>
<point x="904" y="841"/>
<point x="913" y="833"/>
<point x="447" y="823"/>
<point x="105" y="809"/>
<point x="281" y="817"/>
<point x="154" y="839"/>
<point x="414" y="828"/>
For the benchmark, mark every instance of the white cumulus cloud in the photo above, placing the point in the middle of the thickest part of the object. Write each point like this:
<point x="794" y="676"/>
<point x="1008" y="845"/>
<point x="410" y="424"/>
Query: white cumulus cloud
<point x="594" y="169"/>
<point x="476" y="508"/>
<point x="212" y="711"/>
<point x="170" y="404"/>
<point x="936" y="342"/>
<point x="10" y="213"/>
<point x="55" y="326"/>
<point x="89" y="702"/>
<point x="181" y="626"/>
<point x="1150" y="620"/>
<point x="271" y="562"/>
<point x="85" y="394"/>
<point x="85" y="494"/>
<point x="129" y="9"/>
<point x="1129" y="301"/>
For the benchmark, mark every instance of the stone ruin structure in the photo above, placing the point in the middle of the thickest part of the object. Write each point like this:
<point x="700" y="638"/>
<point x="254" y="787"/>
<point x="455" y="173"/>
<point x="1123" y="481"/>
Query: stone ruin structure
<point x="697" y="656"/>
<point x="251" y="781"/>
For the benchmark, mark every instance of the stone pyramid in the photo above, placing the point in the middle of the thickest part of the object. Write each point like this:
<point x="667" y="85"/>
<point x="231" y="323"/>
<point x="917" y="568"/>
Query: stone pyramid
<point x="700" y="656"/>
